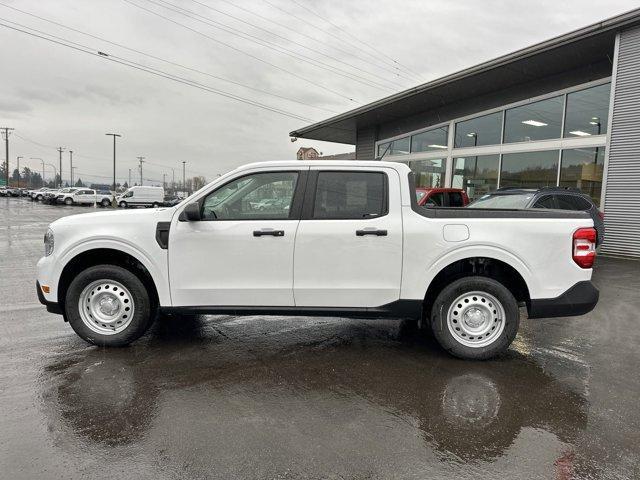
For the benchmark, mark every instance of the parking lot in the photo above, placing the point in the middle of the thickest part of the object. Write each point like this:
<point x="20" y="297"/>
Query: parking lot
<point x="270" y="397"/>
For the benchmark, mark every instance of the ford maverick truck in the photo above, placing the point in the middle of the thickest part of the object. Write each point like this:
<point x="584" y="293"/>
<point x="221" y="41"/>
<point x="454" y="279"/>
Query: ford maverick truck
<point x="331" y="238"/>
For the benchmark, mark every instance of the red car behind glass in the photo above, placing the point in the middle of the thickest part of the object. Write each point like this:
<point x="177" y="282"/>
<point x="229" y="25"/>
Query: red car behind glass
<point x="442" y="197"/>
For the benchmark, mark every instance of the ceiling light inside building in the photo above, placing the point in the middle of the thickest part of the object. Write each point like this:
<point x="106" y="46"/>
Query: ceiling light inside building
<point x="472" y="134"/>
<point x="580" y="133"/>
<point x="535" y="123"/>
<point x="433" y="145"/>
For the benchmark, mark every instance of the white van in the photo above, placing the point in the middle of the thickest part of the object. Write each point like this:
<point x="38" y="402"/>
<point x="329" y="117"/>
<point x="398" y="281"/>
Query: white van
<point x="141" y="196"/>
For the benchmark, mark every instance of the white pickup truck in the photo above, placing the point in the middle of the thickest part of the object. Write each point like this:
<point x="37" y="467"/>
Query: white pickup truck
<point x="343" y="239"/>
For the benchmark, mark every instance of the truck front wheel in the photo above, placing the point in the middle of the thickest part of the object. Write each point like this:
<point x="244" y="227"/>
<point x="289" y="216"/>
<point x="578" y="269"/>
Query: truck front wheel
<point x="108" y="305"/>
<point x="475" y="318"/>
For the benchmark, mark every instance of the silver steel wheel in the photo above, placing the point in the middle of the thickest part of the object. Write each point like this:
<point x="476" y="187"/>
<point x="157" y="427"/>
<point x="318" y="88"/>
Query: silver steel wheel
<point x="106" y="307"/>
<point x="476" y="319"/>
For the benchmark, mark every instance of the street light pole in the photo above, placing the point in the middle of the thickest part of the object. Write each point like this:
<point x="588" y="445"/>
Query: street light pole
<point x="42" y="161"/>
<point x="114" y="135"/>
<point x="18" y="159"/>
<point x="184" y="185"/>
<point x="141" y="160"/>
<point x="129" y="184"/>
<point x="71" y="166"/>
<point x="60" y="150"/>
<point x="6" y="131"/>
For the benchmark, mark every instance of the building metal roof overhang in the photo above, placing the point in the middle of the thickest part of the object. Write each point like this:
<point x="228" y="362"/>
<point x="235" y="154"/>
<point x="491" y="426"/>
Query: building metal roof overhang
<point x="586" y="46"/>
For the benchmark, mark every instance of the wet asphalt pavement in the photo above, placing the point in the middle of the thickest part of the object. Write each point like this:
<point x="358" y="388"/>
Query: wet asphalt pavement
<point x="288" y="398"/>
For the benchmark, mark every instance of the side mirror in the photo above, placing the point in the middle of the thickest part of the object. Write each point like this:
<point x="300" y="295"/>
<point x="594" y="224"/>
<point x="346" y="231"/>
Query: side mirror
<point x="192" y="212"/>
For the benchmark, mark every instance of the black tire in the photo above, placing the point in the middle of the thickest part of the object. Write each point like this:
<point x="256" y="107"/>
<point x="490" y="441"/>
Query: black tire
<point x="450" y="293"/>
<point x="68" y="201"/>
<point x="155" y="205"/>
<point x="38" y="198"/>
<point x="122" y="204"/>
<point x="144" y="312"/>
<point x="105" y="202"/>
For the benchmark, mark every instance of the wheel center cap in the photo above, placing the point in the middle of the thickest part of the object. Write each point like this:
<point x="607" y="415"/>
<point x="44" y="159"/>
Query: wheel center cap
<point x="474" y="317"/>
<point x="109" y="305"/>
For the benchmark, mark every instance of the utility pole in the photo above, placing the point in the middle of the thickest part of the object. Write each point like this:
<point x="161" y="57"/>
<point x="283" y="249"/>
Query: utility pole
<point x="72" y="169"/>
<point x="18" y="158"/>
<point x="173" y="180"/>
<point x="141" y="160"/>
<point x="164" y="182"/>
<point x="60" y="150"/>
<point x="129" y="184"/>
<point x="6" y="131"/>
<point x="71" y="166"/>
<point x="114" y="135"/>
<point x="184" y="184"/>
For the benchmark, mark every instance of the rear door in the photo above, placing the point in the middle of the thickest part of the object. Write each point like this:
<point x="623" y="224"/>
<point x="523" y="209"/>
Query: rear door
<point x="348" y="249"/>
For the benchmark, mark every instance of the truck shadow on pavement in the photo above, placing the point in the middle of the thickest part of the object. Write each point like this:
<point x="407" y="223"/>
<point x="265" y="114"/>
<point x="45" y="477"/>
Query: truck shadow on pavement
<point x="461" y="409"/>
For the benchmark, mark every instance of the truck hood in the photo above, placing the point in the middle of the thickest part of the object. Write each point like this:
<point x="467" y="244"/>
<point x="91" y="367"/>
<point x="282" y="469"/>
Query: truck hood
<point x="115" y="218"/>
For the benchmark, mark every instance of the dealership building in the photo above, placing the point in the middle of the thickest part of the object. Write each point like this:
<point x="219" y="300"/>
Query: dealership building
<point x="565" y="112"/>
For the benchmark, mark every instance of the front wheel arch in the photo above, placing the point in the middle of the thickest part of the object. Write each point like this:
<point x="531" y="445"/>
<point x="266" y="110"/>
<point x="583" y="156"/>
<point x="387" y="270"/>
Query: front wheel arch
<point x="105" y="256"/>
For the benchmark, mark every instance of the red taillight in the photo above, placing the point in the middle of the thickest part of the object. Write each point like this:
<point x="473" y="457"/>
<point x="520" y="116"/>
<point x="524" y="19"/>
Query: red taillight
<point x="584" y="247"/>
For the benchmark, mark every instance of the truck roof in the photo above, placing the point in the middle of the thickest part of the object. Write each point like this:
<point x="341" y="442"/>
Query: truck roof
<point x="328" y="163"/>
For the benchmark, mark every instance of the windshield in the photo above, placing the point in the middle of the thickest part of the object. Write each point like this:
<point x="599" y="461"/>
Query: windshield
<point x="511" y="201"/>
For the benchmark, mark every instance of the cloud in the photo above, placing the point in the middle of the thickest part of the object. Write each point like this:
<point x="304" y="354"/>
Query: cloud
<point x="60" y="96"/>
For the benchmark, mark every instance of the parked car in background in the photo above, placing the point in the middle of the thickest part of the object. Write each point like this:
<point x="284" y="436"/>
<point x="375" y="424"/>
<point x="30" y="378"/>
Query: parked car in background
<point x="141" y="196"/>
<point x="3" y="191"/>
<point x="442" y="197"/>
<point x="85" y="196"/>
<point x="171" y="201"/>
<point x="556" y="198"/>
<point x="51" y="197"/>
<point x="38" y="194"/>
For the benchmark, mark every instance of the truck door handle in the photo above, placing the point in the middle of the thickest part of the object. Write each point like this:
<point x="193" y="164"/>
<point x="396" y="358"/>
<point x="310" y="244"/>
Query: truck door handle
<point x="376" y="232"/>
<point x="273" y="233"/>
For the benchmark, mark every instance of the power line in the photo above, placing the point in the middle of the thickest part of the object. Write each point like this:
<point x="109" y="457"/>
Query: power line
<point x="288" y="40"/>
<point x="170" y="62"/>
<point x="346" y="32"/>
<point x="279" y="48"/>
<point x="306" y="35"/>
<point x="342" y="40"/>
<point x="153" y="71"/>
<point x="264" y="43"/>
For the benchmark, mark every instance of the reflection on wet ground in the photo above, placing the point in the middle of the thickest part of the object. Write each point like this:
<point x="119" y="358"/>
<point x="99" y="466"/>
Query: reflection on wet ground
<point x="259" y="397"/>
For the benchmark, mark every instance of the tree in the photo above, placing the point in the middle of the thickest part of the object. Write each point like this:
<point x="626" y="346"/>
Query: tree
<point x="125" y="185"/>
<point x="79" y="183"/>
<point x="199" y="182"/>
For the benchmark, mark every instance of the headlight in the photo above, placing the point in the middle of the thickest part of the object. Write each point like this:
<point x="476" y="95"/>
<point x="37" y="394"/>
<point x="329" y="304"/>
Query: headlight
<point x="48" y="242"/>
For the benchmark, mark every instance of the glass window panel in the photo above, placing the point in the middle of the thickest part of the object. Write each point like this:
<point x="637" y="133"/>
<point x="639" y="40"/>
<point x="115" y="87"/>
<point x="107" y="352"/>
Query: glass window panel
<point x="529" y="169"/>
<point x="476" y="175"/>
<point x="431" y="140"/>
<point x="382" y="149"/>
<point x="400" y="146"/>
<point x="534" y="121"/>
<point x="350" y="195"/>
<point x="260" y="196"/>
<point x="485" y="130"/>
<point x="429" y="173"/>
<point x="587" y="112"/>
<point x="582" y="168"/>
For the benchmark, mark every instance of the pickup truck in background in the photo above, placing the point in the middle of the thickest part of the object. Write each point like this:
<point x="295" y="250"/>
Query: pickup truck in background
<point x="442" y="197"/>
<point x="349" y="239"/>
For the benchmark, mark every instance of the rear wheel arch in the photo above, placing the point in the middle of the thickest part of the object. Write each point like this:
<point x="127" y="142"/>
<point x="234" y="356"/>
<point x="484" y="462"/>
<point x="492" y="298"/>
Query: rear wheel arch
<point x="488" y="267"/>
<point x="105" y="256"/>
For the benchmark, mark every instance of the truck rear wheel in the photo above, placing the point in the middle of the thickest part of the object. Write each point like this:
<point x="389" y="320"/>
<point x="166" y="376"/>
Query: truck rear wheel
<point x="475" y="318"/>
<point x="108" y="305"/>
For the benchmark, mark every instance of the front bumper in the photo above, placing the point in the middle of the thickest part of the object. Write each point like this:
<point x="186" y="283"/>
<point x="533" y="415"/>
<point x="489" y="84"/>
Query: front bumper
<point x="578" y="300"/>
<point x="52" y="307"/>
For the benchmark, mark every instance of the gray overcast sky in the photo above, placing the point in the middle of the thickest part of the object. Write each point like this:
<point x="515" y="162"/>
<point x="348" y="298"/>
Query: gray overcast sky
<point x="57" y="96"/>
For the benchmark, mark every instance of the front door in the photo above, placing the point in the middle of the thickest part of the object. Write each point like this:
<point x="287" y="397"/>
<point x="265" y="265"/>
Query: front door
<point x="349" y="243"/>
<point x="241" y="252"/>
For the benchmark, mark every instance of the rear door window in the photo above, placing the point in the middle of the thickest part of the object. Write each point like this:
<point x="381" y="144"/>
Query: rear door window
<point x="572" y="202"/>
<point x="455" y="199"/>
<point x="436" y="199"/>
<point x="350" y="195"/>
